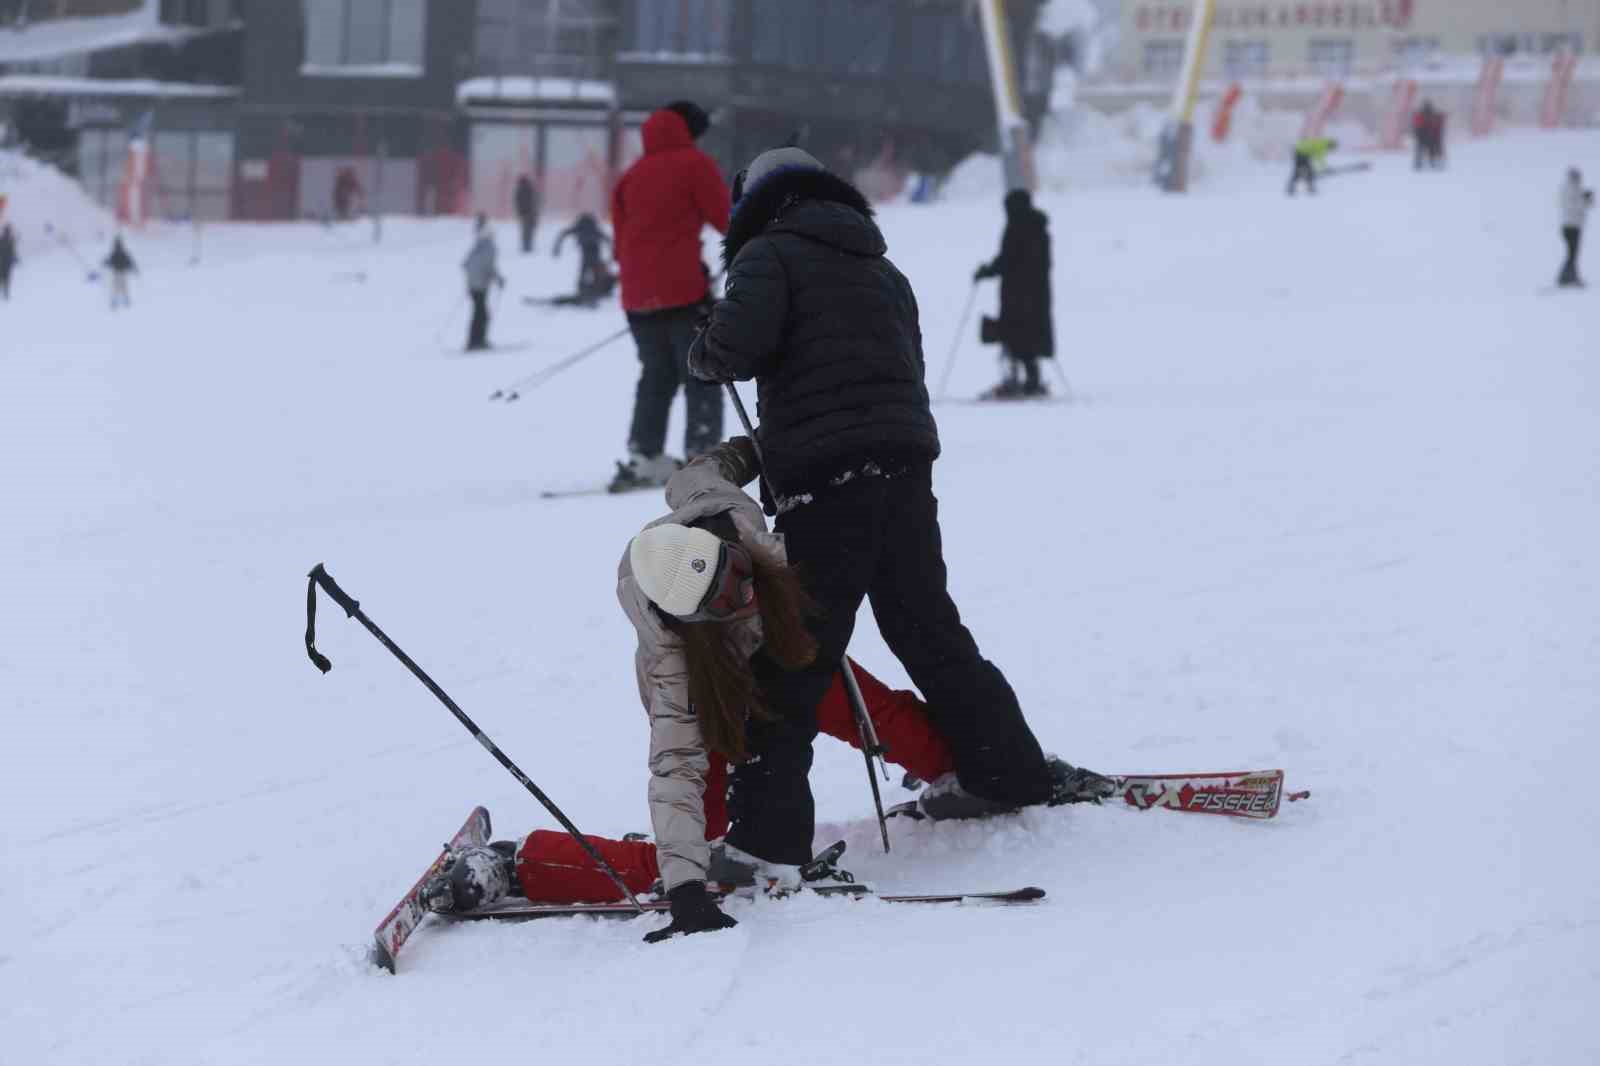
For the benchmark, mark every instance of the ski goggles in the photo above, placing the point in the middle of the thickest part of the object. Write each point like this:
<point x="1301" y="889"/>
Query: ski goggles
<point x="732" y="588"/>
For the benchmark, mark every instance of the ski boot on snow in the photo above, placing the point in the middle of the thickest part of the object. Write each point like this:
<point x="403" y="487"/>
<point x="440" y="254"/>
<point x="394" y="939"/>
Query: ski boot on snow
<point x="733" y="870"/>
<point x="643" y="472"/>
<point x="945" y="799"/>
<point x="473" y="878"/>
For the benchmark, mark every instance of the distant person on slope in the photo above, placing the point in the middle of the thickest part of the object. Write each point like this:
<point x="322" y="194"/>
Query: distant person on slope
<point x="714" y="605"/>
<point x="8" y="258"/>
<point x="527" y="203"/>
<point x="827" y="326"/>
<point x="1427" y="127"/>
<point x="1310" y="157"/>
<point x="1575" y="203"/>
<point x="594" y="280"/>
<point x="658" y="209"/>
<point x="121" y="264"/>
<point x="481" y="265"/>
<point x="1026" y="329"/>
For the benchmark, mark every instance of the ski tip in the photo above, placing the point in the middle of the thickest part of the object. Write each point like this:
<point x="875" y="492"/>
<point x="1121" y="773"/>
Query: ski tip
<point x="381" y="957"/>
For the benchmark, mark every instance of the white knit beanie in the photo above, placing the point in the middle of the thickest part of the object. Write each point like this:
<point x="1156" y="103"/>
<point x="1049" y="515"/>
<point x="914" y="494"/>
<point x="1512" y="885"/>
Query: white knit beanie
<point x="674" y="565"/>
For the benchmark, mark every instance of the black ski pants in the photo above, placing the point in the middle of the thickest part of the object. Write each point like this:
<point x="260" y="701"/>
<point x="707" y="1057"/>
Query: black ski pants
<point x="478" y="329"/>
<point x="877" y="538"/>
<point x="528" y="223"/>
<point x="1303" y="171"/>
<point x="1573" y="235"/>
<point x="663" y="338"/>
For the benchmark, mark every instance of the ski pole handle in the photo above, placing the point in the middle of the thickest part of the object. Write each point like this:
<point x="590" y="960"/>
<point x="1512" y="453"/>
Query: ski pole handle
<point x="335" y="593"/>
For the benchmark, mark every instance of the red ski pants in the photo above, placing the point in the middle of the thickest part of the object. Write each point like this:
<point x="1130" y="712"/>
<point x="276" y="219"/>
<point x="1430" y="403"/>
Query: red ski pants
<point x="554" y="869"/>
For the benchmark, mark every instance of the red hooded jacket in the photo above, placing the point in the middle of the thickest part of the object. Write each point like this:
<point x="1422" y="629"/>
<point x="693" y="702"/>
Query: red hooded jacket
<point x="657" y="211"/>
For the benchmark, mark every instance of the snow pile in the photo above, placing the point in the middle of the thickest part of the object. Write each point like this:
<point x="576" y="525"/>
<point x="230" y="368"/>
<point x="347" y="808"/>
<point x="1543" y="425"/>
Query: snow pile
<point x="50" y="212"/>
<point x="35" y="42"/>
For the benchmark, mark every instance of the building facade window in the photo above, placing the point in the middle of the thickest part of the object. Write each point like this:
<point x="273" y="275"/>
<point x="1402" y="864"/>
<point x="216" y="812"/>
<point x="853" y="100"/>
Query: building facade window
<point x="680" y="28"/>
<point x="384" y="36"/>
<point x="1331" y="57"/>
<point x="1163" y="60"/>
<point x="1245" y="59"/>
<point x="1412" y="52"/>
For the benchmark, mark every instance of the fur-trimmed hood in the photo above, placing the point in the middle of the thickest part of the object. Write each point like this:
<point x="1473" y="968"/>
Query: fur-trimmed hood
<point x="809" y="202"/>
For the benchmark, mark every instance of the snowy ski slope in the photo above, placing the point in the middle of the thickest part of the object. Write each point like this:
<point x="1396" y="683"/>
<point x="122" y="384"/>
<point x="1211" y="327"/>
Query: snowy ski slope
<point x="1326" y="500"/>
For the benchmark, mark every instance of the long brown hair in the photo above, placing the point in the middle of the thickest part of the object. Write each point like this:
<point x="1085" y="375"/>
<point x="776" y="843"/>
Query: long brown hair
<point x="722" y="688"/>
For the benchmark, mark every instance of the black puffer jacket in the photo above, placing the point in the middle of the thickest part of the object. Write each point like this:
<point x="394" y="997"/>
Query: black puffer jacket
<point x="1026" y="326"/>
<point x="827" y="327"/>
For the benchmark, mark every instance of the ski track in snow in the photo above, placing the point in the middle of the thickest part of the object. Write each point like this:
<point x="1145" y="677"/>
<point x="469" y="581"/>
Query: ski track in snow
<point x="1323" y="498"/>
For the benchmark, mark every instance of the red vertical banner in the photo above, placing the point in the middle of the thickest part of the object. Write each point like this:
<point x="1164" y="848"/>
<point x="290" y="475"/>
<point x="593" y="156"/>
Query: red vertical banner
<point x="1486" y="96"/>
<point x="1327" y="105"/>
<point x="1397" y="116"/>
<point x="1553" y="108"/>
<point x="1222" y="121"/>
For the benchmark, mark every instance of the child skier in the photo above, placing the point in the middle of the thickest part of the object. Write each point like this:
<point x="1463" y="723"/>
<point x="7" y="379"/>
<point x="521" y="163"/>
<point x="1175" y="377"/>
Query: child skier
<point x="594" y="280"/>
<point x="1310" y="157"/>
<point x="481" y="266"/>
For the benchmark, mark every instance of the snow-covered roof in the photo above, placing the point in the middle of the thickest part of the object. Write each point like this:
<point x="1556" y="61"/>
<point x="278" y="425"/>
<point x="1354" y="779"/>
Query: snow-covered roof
<point x="38" y="41"/>
<point x="528" y="88"/>
<point x="49" y="84"/>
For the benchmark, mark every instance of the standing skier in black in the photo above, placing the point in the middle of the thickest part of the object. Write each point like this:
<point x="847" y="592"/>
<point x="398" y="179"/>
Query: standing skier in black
<point x="121" y="264"/>
<point x="527" y="204"/>
<point x="1025" y="329"/>
<point x="1575" y="204"/>
<point x="8" y="259"/>
<point x="828" y="327"/>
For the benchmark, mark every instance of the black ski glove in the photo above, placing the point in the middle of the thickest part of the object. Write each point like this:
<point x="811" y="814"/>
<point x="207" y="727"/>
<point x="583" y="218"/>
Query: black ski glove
<point x="693" y="911"/>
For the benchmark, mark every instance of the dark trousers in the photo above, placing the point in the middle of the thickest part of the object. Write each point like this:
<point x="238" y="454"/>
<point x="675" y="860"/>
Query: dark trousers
<point x="529" y="222"/>
<point x="877" y="538"/>
<point x="478" y="330"/>
<point x="663" y="338"/>
<point x="5" y="283"/>
<point x="1569" y="270"/>
<point x="1303" y="171"/>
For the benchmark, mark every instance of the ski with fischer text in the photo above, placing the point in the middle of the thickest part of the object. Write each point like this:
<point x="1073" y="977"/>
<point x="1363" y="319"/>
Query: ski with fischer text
<point x="523" y="910"/>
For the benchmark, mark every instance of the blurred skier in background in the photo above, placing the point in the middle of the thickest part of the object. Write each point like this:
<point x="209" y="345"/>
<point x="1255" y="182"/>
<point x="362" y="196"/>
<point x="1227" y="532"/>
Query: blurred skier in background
<point x="1025" y="328"/>
<point x="1575" y="202"/>
<point x="121" y="264"/>
<point x="481" y="265"/>
<point x="526" y="200"/>
<point x="594" y="280"/>
<point x="1427" y="129"/>
<point x="658" y="209"/>
<point x="1310" y="156"/>
<point x="348" y="196"/>
<point x="8" y="259"/>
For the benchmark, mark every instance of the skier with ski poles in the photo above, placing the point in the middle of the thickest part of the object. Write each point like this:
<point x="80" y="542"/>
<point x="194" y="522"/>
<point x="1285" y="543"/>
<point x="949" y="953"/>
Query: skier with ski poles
<point x="1025" y="329"/>
<point x="828" y="327"/>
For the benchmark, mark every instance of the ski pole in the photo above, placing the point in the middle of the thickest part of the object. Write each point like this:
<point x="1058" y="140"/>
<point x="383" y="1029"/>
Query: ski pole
<point x="512" y="392"/>
<point x="870" y="745"/>
<point x="320" y="576"/>
<point x="955" y="344"/>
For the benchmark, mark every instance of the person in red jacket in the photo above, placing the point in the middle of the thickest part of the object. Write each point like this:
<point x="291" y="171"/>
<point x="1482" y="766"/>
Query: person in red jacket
<point x="658" y="209"/>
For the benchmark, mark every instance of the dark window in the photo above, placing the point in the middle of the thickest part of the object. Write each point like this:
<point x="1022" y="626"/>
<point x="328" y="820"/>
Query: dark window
<point x="678" y="27"/>
<point x="355" y="33"/>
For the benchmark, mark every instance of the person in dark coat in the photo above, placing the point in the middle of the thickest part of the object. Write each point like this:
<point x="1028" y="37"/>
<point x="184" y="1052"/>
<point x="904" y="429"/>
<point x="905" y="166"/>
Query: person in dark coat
<point x="658" y="209"/>
<point x="121" y="264"/>
<point x="8" y="259"/>
<point x="1026" y="329"/>
<point x="526" y="198"/>
<point x="594" y="280"/>
<point x="827" y="326"/>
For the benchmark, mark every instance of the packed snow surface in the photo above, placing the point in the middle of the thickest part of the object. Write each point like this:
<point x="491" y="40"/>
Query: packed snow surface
<point x="1324" y="498"/>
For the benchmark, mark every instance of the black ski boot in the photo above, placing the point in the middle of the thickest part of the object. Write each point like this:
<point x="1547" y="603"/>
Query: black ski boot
<point x="1073" y="784"/>
<point x="473" y="878"/>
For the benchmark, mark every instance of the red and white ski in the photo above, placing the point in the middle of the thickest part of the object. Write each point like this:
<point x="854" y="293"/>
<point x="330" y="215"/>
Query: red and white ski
<point x="523" y="910"/>
<point x="1241" y="794"/>
<point x="396" y="929"/>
